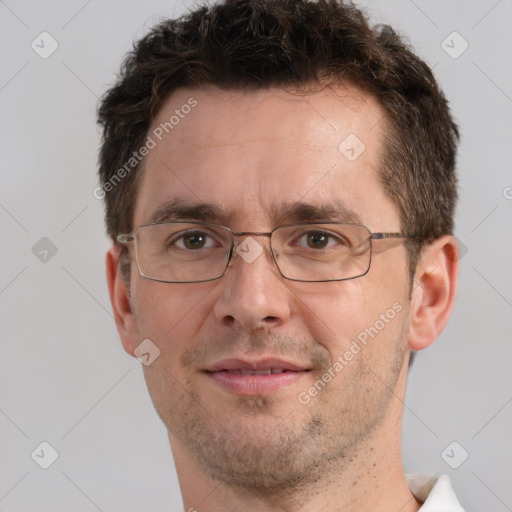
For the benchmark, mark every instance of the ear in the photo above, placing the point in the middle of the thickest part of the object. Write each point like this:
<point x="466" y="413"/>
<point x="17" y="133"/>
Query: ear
<point x="434" y="289"/>
<point x="120" y="300"/>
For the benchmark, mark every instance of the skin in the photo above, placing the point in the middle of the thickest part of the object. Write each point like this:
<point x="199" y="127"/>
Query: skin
<point x="249" y="152"/>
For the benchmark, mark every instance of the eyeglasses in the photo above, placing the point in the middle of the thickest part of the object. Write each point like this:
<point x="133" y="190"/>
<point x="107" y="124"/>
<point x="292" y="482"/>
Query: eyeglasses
<point x="194" y="252"/>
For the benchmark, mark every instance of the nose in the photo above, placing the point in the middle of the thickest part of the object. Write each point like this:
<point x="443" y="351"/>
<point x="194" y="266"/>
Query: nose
<point x="253" y="293"/>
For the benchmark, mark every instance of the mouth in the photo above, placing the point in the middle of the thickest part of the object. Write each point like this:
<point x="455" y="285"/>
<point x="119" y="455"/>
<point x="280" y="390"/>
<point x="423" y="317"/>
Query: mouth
<point x="266" y="371"/>
<point x="261" y="377"/>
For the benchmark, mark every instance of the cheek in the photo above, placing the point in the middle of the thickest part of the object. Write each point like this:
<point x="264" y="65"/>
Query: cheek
<point x="167" y="314"/>
<point x="342" y="316"/>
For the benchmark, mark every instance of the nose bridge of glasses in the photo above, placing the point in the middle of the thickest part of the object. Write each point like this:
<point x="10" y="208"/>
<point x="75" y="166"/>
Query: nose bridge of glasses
<point x="268" y="234"/>
<point x="243" y="236"/>
<point x="248" y="248"/>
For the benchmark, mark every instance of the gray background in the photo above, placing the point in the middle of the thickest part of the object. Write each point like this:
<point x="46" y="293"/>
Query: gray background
<point x="64" y="377"/>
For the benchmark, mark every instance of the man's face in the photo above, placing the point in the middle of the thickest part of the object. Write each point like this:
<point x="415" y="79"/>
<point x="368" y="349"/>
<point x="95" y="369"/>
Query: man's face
<point x="255" y="155"/>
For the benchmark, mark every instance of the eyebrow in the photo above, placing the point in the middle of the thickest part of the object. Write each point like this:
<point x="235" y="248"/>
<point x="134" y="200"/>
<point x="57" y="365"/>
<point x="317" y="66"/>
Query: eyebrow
<point x="179" y="209"/>
<point x="334" y="211"/>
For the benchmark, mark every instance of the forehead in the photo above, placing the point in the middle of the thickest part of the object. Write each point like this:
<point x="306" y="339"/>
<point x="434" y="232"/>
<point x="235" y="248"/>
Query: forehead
<point x="253" y="154"/>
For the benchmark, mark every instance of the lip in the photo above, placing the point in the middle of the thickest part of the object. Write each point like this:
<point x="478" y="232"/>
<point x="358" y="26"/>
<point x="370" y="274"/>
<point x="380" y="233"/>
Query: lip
<point x="236" y="375"/>
<point x="261" y="364"/>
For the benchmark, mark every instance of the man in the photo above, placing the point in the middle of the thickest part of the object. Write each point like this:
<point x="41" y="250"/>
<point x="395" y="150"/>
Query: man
<point x="280" y="190"/>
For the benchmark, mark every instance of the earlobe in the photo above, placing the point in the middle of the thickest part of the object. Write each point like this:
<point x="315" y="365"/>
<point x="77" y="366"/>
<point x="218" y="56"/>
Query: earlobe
<point x="434" y="291"/>
<point x="120" y="300"/>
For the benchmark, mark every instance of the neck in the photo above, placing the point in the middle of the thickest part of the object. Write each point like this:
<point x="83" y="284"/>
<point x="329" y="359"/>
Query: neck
<point x="373" y="479"/>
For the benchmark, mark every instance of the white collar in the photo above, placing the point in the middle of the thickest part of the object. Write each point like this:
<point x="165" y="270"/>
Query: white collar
<point x="436" y="493"/>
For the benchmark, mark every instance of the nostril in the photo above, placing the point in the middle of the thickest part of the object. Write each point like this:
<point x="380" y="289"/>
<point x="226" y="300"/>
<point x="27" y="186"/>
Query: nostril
<point x="229" y="319"/>
<point x="268" y="324"/>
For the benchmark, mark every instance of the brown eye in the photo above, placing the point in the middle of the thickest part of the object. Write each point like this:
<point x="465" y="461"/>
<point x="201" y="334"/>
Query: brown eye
<point x="317" y="240"/>
<point x="194" y="240"/>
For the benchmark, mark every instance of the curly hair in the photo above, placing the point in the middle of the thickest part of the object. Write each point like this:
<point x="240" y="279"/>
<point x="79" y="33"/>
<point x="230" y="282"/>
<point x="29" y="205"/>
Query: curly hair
<point x="249" y="45"/>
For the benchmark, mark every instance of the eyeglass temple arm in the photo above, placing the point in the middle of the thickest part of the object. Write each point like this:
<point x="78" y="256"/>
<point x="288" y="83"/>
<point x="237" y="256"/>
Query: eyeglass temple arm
<point x="123" y="239"/>
<point x="380" y="236"/>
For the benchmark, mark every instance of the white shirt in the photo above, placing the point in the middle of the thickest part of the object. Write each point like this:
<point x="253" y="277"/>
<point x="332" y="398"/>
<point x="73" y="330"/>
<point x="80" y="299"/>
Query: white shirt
<point x="436" y="493"/>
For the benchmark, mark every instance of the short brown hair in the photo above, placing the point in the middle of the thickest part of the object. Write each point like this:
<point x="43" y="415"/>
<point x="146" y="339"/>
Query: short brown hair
<point x="257" y="44"/>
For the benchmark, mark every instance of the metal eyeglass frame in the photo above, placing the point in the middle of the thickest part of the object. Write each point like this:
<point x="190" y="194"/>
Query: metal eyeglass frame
<point x="130" y="237"/>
